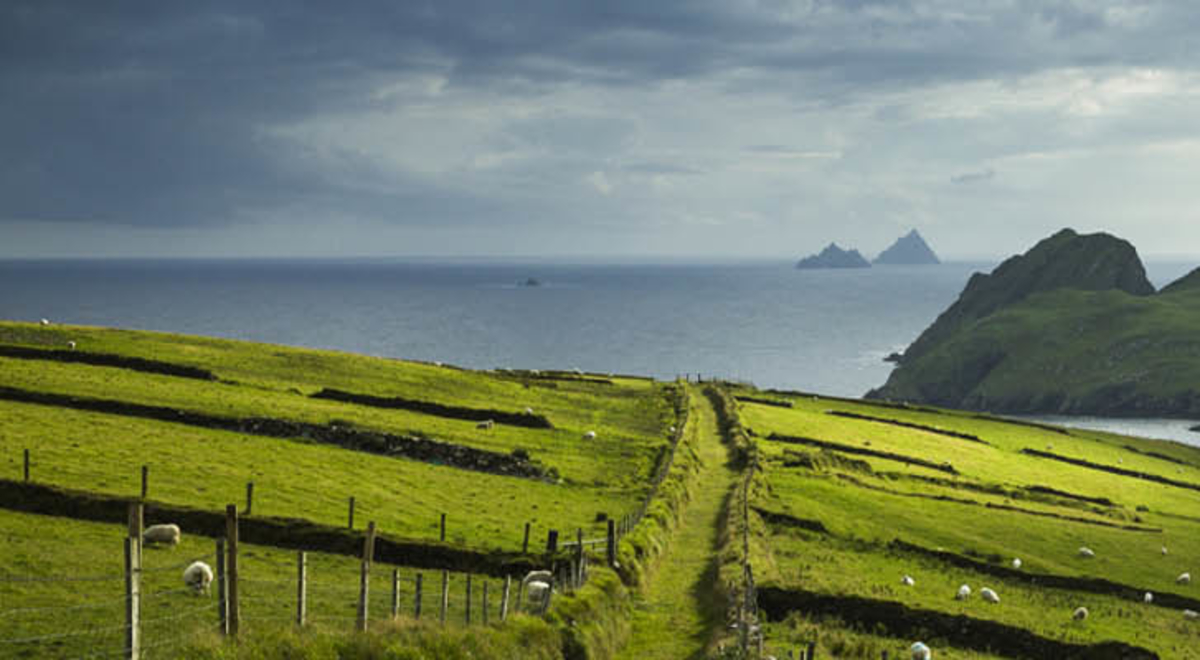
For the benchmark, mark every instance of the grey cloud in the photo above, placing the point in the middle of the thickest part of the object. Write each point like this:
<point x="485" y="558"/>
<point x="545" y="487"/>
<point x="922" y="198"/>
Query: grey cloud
<point x="153" y="114"/>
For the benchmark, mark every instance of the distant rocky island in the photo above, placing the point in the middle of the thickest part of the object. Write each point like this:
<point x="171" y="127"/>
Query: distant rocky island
<point x="908" y="250"/>
<point x="1073" y="326"/>
<point x="834" y="257"/>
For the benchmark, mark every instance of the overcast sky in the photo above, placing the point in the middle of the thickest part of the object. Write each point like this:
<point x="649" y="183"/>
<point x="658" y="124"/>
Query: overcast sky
<point x="616" y="127"/>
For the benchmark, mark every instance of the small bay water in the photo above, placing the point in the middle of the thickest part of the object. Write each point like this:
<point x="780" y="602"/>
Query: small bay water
<point x="764" y="321"/>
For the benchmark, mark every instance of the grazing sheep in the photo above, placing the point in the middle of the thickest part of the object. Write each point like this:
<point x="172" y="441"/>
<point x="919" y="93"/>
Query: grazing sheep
<point x="167" y="534"/>
<point x="590" y="435"/>
<point x="45" y="321"/>
<point x="921" y="652"/>
<point x="71" y="345"/>
<point x="907" y="581"/>
<point x="1080" y="614"/>
<point x="1184" y="578"/>
<point x="989" y="595"/>
<point x="198" y="576"/>
<point x="1086" y="552"/>
<point x="1148" y="598"/>
<point x="1164" y="551"/>
<point x="964" y="592"/>
<point x="536" y="584"/>
<point x="1050" y="447"/>
<point x="672" y="429"/>
<point x="1191" y="615"/>
<point x="486" y="425"/>
<point x="528" y="411"/>
<point x="1017" y="563"/>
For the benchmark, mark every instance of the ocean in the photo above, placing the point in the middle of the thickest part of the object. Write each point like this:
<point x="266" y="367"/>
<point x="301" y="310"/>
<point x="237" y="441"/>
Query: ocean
<point x="757" y="321"/>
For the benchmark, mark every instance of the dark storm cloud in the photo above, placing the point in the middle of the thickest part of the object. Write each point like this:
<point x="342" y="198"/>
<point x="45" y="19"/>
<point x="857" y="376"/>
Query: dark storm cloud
<point x="160" y="114"/>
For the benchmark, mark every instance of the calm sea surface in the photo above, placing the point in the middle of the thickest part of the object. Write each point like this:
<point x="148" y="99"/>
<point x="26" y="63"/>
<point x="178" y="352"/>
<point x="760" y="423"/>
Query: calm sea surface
<point x="824" y="331"/>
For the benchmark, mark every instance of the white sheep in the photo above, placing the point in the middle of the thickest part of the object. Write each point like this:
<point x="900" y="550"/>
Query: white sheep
<point x="672" y="430"/>
<point x="964" y="592"/>
<point x="1148" y="598"/>
<point x="486" y="425"/>
<point x="989" y="595"/>
<point x="907" y="581"/>
<point x="198" y="576"/>
<point x="1086" y="552"/>
<point x="536" y="586"/>
<point x="1164" y="551"/>
<point x="1080" y="614"/>
<point x="45" y="321"/>
<point x="1184" y="578"/>
<point x="1016" y="563"/>
<point x="590" y="435"/>
<point x="1191" y="615"/>
<point x="167" y="534"/>
<point x="921" y="652"/>
<point x="71" y="345"/>
<point x="528" y="411"/>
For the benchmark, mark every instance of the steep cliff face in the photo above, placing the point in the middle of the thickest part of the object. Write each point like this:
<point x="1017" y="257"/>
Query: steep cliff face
<point x="908" y="250"/>
<point x="1072" y="326"/>
<point x="1066" y="260"/>
<point x="834" y="257"/>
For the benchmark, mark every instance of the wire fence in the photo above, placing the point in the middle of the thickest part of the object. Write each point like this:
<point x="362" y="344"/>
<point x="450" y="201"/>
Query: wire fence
<point x="149" y="610"/>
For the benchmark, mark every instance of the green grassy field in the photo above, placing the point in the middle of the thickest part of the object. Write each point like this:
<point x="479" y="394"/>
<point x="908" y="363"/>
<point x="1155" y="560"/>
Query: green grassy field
<point x="67" y="597"/>
<point x="990" y="512"/>
<point x="896" y="495"/>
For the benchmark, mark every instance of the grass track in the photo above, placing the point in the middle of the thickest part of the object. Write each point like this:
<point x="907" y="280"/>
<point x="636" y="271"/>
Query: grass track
<point x="675" y="615"/>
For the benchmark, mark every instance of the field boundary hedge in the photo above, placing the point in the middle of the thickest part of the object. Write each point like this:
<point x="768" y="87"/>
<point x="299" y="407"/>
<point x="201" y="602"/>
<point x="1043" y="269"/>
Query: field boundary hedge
<point x="385" y="444"/>
<point x="958" y="630"/>
<point x="526" y="420"/>
<point x="107" y="360"/>
<point x="1144" y="476"/>
<point x="290" y="533"/>
<point x="908" y="425"/>
<point x="851" y="449"/>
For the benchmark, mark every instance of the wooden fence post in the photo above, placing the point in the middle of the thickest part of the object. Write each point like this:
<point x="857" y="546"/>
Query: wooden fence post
<point x="552" y="541"/>
<point x="504" y="598"/>
<point x="26" y="465"/>
<point x="133" y="599"/>
<point x="485" y="602"/>
<point x="364" y="582"/>
<point x="231" y="568"/>
<point x="145" y="481"/>
<point x="222" y="592"/>
<point x="577" y="577"/>
<point x="525" y="543"/>
<point x="443" y="532"/>
<point x="445" y="594"/>
<point x="301" y="587"/>
<point x="136" y="517"/>
<point x="611" y="544"/>
<point x="350" y="520"/>
<point x="468" y="609"/>
<point x="395" y="592"/>
<point x="249" y="497"/>
<point x="417" y="598"/>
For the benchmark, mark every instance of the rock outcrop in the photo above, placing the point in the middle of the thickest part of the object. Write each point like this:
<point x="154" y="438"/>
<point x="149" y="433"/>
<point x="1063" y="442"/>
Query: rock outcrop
<point x="908" y="250"/>
<point x="834" y="257"/>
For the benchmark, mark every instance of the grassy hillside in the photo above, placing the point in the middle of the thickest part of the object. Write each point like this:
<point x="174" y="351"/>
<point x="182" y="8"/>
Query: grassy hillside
<point x="847" y="520"/>
<point x="1067" y="351"/>
<point x="843" y="498"/>
<point x="1071" y="327"/>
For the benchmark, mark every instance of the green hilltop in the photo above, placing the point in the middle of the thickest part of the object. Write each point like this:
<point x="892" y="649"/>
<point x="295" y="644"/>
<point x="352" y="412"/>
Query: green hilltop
<point x="1071" y="327"/>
